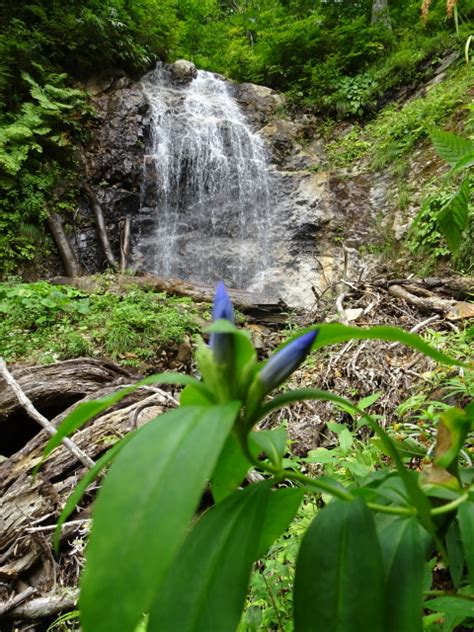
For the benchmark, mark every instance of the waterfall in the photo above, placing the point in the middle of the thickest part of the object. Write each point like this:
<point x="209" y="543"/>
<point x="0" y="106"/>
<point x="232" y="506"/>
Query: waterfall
<point x="206" y="197"/>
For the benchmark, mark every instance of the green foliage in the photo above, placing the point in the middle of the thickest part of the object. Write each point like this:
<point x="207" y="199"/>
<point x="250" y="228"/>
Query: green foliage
<point x="45" y="323"/>
<point x="385" y="527"/>
<point x="453" y="218"/>
<point x="446" y="217"/>
<point x="36" y="156"/>
<point x="394" y="132"/>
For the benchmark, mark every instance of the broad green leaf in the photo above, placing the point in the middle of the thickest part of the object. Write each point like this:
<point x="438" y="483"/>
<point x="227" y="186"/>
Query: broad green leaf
<point x="453" y="218"/>
<point x="403" y="544"/>
<point x="206" y="587"/>
<point x="466" y="162"/>
<point x="451" y="147"/>
<point x="281" y="509"/>
<point x="140" y="518"/>
<point x="466" y="527"/>
<point x="332" y="333"/>
<point x="320" y="455"/>
<point x="452" y="605"/>
<point x="84" y="483"/>
<point x="230" y="471"/>
<point x="87" y="410"/>
<point x="455" y="552"/>
<point x="272" y="442"/>
<point x="191" y="395"/>
<point x="339" y="582"/>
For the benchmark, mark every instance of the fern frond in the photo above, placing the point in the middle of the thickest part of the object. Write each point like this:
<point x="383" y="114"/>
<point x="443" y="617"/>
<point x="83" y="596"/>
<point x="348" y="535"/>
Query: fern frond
<point x="451" y="147"/>
<point x="454" y="216"/>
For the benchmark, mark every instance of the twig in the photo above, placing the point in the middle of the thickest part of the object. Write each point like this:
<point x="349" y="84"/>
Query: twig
<point x="418" y="326"/>
<point x="340" y="307"/>
<point x="52" y="527"/>
<point x="38" y="417"/>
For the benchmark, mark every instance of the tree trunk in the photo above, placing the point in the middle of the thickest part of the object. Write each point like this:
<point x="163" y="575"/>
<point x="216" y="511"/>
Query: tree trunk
<point x="380" y="13"/>
<point x="101" y="228"/>
<point x="55" y="223"/>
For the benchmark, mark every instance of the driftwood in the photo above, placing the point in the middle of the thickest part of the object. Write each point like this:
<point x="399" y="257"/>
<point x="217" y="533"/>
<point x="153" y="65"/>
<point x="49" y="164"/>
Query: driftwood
<point x="56" y="226"/>
<point x="256" y="307"/>
<point x="30" y="506"/>
<point x="101" y="227"/>
<point x="429" y="301"/>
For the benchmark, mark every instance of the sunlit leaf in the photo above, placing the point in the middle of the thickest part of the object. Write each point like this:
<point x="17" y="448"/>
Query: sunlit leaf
<point x="143" y="510"/>
<point x="403" y="544"/>
<point x="206" y="587"/>
<point x="339" y="583"/>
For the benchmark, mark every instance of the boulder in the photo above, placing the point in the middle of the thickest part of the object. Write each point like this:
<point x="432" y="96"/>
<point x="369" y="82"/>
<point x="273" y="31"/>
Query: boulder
<point x="259" y="103"/>
<point x="183" y="71"/>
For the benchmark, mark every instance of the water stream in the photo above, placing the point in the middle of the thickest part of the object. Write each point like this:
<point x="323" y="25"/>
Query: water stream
<point x="206" y="198"/>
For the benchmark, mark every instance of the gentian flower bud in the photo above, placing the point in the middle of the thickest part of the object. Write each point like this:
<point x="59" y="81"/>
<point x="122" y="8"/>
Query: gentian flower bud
<point x="222" y="344"/>
<point x="287" y="360"/>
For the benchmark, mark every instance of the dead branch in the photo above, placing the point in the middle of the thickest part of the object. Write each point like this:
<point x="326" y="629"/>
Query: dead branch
<point x="125" y="237"/>
<point x="56" y="226"/>
<point x="101" y="227"/>
<point x="39" y="418"/>
<point x="66" y="381"/>
<point x="16" y="600"/>
<point x="428" y="301"/>
<point x="46" y="606"/>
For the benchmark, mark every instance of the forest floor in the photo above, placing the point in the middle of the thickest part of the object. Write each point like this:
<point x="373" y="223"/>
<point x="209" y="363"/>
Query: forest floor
<point x="403" y="390"/>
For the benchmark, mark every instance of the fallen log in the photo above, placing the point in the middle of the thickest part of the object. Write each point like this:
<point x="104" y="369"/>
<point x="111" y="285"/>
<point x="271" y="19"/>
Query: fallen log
<point x="426" y="300"/>
<point x="30" y="506"/>
<point x="257" y="307"/>
<point x="62" y="383"/>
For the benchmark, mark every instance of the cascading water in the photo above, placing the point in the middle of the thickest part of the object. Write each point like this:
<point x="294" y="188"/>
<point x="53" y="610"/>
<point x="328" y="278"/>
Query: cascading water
<point x="206" y="198"/>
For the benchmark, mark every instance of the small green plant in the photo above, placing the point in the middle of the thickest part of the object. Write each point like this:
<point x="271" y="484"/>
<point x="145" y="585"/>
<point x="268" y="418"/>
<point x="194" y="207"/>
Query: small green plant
<point x="44" y="323"/>
<point x="148" y="553"/>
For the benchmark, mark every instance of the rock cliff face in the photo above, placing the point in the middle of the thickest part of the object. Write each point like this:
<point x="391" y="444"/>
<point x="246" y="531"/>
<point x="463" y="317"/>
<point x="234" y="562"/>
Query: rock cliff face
<point x="112" y="163"/>
<point x="325" y="219"/>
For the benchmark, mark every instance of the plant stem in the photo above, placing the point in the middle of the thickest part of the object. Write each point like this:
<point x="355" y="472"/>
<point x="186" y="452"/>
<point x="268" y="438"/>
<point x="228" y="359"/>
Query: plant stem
<point x="450" y="506"/>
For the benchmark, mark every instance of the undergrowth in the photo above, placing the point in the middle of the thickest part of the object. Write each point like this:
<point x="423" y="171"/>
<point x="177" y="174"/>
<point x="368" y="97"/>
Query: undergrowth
<point x="390" y="137"/>
<point x="355" y="457"/>
<point x="43" y="323"/>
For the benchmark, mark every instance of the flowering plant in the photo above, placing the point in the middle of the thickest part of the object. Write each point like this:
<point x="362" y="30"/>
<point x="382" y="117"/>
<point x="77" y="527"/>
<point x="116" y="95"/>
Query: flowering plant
<point x="362" y="562"/>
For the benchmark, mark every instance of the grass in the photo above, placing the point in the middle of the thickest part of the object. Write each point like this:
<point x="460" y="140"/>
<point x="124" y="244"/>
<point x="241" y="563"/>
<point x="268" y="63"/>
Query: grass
<point x="43" y="323"/>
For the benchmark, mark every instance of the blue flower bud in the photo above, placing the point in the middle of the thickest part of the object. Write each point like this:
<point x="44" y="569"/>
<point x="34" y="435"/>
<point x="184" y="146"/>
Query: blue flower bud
<point x="287" y="360"/>
<point x="222" y="307"/>
<point x="222" y="344"/>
